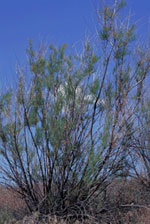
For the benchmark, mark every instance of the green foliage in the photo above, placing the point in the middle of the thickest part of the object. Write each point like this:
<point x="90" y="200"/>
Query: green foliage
<point x="33" y="117"/>
<point x="5" y="100"/>
<point x="95" y="86"/>
<point x="121" y="4"/>
<point x="105" y="33"/>
<point x="106" y="132"/>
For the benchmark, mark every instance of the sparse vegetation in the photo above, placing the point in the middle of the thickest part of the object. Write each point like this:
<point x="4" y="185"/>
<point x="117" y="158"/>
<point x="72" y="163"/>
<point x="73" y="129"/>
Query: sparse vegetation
<point x="74" y="134"/>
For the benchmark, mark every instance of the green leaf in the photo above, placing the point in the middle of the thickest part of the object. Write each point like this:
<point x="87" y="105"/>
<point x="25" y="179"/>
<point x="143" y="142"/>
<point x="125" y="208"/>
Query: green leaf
<point x="33" y="117"/>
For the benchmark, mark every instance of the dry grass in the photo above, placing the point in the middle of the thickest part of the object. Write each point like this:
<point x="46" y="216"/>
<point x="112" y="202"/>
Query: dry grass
<point x="118" y="193"/>
<point x="12" y="203"/>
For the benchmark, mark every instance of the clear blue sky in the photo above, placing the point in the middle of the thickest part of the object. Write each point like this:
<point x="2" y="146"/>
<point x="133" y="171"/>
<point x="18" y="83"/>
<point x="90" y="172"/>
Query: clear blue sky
<point x="55" y="21"/>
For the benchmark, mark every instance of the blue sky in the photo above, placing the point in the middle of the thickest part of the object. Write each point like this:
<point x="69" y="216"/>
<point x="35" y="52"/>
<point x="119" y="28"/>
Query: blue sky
<point x="55" y="21"/>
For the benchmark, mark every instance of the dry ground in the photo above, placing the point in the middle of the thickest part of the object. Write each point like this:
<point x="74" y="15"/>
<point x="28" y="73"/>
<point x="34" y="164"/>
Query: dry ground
<point x="11" y="203"/>
<point x="118" y="193"/>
